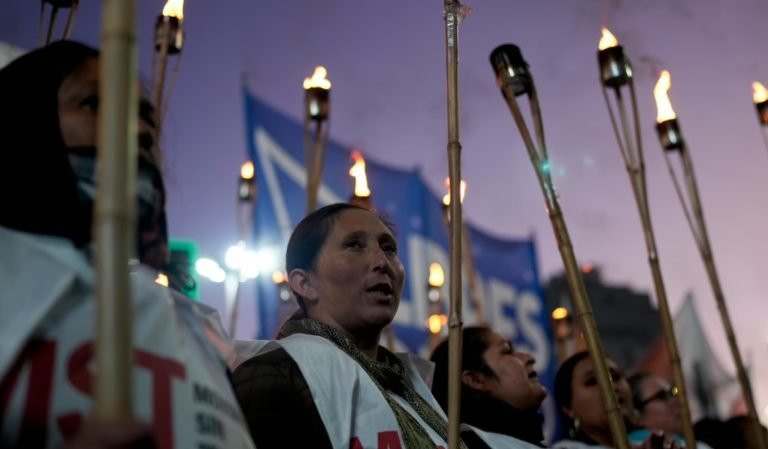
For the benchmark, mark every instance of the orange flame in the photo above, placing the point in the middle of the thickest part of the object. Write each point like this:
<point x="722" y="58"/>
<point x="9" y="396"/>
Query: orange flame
<point x="358" y="172"/>
<point x="436" y="275"/>
<point x="278" y="277"/>
<point x="436" y="322"/>
<point x="462" y="191"/>
<point x="319" y="79"/>
<point x="246" y="170"/>
<point x="162" y="279"/>
<point x="559" y="313"/>
<point x="663" y="106"/>
<point x="174" y="8"/>
<point x="607" y="40"/>
<point x="759" y="92"/>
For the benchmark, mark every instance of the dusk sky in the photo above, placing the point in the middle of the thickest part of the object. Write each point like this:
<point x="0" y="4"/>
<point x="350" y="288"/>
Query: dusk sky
<point x="387" y="64"/>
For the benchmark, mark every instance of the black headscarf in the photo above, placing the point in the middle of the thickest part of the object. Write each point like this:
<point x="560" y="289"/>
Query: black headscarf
<point x="38" y="186"/>
<point x="38" y="189"/>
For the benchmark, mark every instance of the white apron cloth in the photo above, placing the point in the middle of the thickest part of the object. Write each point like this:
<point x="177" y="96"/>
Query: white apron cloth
<point x="355" y="413"/>
<point x="498" y="440"/>
<point x="46" y="347"/>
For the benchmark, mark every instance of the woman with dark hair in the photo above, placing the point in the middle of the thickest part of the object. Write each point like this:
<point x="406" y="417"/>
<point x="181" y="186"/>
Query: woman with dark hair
<point x="579" y="400"/>
<point x="500" y="391"/>
<point x="326" y="383"/>
<point x="49" y="101"/>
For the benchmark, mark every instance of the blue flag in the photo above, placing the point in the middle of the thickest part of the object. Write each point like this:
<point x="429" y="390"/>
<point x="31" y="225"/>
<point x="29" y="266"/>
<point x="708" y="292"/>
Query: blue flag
<point x="512" y="299"/>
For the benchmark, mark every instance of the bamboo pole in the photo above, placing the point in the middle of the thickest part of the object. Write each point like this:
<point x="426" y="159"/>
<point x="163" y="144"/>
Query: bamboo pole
<point x="583" y="309"/>
<point x="634" y="161"/>
<point x="115" y="210"/>
<point x="701" y="236"/>
<point x="452" y="9"/>
<point x="318" y="160"/>
<point x="159" y="85"/>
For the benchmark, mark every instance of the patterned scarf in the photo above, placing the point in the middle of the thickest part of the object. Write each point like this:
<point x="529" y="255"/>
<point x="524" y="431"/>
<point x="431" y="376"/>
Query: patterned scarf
<point x="389" y="375"/>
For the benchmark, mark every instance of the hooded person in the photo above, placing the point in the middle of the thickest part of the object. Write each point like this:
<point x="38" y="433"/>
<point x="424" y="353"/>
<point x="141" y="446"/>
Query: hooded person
<point x="48" y="124"/>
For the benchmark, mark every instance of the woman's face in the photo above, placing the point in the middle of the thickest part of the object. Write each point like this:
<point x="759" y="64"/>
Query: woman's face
<point x="660" y="409"/>
<point x="357" y="279"/>
<point x="586" y="401"/>
<point x="516" y="381"/>
<point x="79" y="107"/>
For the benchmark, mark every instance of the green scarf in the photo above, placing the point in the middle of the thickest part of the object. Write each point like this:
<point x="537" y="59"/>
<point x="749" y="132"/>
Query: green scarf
<point x="389" y="375"/>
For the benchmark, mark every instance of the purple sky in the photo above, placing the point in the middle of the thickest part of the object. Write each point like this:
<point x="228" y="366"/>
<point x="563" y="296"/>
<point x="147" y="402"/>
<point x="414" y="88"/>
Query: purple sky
<point x="386" y="62"/>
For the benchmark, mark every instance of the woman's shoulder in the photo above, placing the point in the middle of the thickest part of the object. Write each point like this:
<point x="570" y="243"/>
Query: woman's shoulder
<point x="273" y="370"/>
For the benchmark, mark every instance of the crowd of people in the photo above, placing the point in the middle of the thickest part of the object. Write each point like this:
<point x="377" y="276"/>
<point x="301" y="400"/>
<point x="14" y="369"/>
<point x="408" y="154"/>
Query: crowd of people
<point x="324" y="382"/>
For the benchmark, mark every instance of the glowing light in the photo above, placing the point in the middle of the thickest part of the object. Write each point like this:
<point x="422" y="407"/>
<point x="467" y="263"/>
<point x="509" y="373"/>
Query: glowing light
<point x="358" y="172"/>
<point x="319" y="79"/>
<point x="436" y="275"/>
<point x="560" y="313"/>
<point x="759" y="92"/>
<point x="162" y="279"/>
<point x="436" y="322"/>
<point x="462" y="191"/>
<point x="210" y="270"/>
<point x="174" y="8"/>
<point x="587" y="268"/>
<point x="660" y="92"/>
<point x="246" y="170"/>
<point x="278" y="277"/>
<point x="607" y="40"/>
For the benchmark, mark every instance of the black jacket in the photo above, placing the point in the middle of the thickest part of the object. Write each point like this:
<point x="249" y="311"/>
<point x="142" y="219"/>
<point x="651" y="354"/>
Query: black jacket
<point x="278" y="404"/>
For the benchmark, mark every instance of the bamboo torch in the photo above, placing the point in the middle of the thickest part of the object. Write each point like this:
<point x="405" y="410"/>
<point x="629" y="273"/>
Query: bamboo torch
<point x="169" y="41"/>
<point x="514" y="78"/>
<point x="760" y="98"/>
<point x="72" y="5"/>
<point x="672" y="142"/>
<point x="453" y="11"/>
<point x="615" y="74"/>
<point x="316" y="109"/>
<point x="246" y="196"/>
<point x="475" y="292"/>
<point x="115" y="217"/>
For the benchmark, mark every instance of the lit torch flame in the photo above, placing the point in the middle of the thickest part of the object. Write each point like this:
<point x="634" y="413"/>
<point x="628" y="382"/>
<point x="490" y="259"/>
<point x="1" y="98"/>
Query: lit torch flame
<point x="462" y="191"/>
<point x="174" y="8"/>
<point x="436" y="322"/>
<point x="246" y="170"/>
<point x="663" y="106"/>
<point x="760" y="93"/>
<point x="608" y="40"/>
<point x="278" y="277"/>
<point x="436" y="275"/>
<point x="319" y="79"/>
<point x="358" y="172"/>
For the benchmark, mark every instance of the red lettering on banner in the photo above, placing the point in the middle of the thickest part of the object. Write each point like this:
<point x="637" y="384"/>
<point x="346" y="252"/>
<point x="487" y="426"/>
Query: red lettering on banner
<point x="389" y="440"/>
<point x="162" y="370"/>
<point x="355" y="443"/>
<point x="40" y="356"/>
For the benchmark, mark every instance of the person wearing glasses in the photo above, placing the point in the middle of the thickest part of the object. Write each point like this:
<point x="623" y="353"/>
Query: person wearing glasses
<point x="657" y="408"/>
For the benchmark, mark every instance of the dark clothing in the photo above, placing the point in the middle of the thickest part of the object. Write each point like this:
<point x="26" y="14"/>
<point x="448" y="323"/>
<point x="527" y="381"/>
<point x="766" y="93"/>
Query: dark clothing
<point x="38" y="189"/>
<point x="277" y="403"/>
<point x="493" y="415"/>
